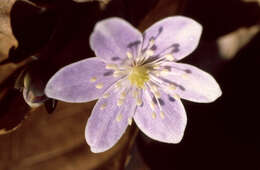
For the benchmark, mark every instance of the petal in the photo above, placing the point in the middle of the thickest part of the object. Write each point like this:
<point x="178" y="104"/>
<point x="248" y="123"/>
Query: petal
<point x="82" y="81"/>
<point x="112" y="38"/>
<point x="165" y="127"/>
<point x="192" y="83"/>
<point x="108" y="121"/>
<point x="177" y="35"/>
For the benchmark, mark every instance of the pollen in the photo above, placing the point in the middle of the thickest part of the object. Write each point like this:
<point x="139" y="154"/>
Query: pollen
<point x="151" y="43"/>
<point x="154" y="88"/>
<point x="111" y="66"/>
<point x="130" y="120"/>
<point x="139" y="101"/>
<point x="120" y="102"/>
<point x="157" y="73"/>
<point x="129" y="55"/>
<point x="162" y="115"/>
<point x="119" y="117"/>
<point x="156" y="67"/>
<point x="176" y="96"/>
<point x="149" y="53"/>
<point x="169" y="57"/>
<point x="152" y="105"/>
<point x="157" y="94"/>
<point x="93" y="79"/>
<point x="99" y="86"/>
<point x="123" y="95"/>
<point x="118" y="73"/>
<point x="135" y="93"/>
<point x="103" y="106"/>
<point x="153" y="115"/>
<point x="172" y="87"/>
<point x="185" y="76"/>
<point x="106" y="95"/>
<point x="118" y="85"/>
<point x="139" y="76"/>
<point x="164" y="72"/>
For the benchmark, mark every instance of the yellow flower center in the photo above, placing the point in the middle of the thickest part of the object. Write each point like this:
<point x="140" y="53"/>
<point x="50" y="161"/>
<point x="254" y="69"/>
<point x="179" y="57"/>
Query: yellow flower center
<point x="138" y="76"/>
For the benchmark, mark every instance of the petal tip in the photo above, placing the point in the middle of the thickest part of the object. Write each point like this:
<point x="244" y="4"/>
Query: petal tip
<point x="190" y="20"/>
<point x="216" y="95"/>
<point x="177" y="139"/>
<point x="95" y="150"/>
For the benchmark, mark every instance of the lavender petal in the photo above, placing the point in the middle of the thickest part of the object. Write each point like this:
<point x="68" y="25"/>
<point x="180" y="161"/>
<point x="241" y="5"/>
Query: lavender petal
<point x="112" y="38"/>
<point x="193" y="83"/>
<point x="82" y="81"/>
<point x="108" y="121"/>
<point x="177" y="35"/>
<point x="167" y="126"/>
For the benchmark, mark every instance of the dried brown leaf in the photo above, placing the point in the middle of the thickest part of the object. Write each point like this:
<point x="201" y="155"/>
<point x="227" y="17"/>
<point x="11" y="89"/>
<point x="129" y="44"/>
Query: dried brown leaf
<point x="7" y="39"/>
<point x="58" y="142"/>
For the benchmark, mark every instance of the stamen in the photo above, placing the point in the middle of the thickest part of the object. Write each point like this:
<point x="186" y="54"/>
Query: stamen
<point x="155" y="91"/>
<point x="185" y="76"/>
<point x="151" y="42"/>
<point x="118" y="85"/>
<point x="111" y="66"/>
<point x="118" y="73"/>
<point x="93" y="79"/>
<point x="157" y="94"/>
<point x="153" y="115"/>
<point x="149" y="53"/>
<point x="176" y="96"/>
<point x="154" y="88"/>
<point x="106" y="95"/>
<point x="156" y="67"/>
<point x="157" y="73"/>
<point x="130" y="120"/>
<point x="139" y="101"/>
<point x="119" y="117"/>
<point x="135" y="93"/>
<point x="164" y="72"/>
<point x="172" y="87"/>
<point x="99" y="86"/>
<point x="120" y="102"/>
<point x="103" y="106"/>
<point x="162" y="115"/>
<point x="169" y="57"/>
<point x="166" y="86"/>
<point x="152" y="105"/>
<point x="129" y="55"/>
<point x="123" y="95"/>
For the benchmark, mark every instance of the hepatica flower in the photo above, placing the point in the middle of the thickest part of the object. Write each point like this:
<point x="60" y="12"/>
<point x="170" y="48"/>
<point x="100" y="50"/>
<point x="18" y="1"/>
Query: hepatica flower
<point x="136" y="77"/>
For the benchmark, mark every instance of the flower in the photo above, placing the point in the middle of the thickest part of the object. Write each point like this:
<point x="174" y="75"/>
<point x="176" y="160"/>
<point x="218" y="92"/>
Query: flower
<point x="29" y="82"/>
<point x="33" y="94"/>
<point x="136" y="77"/>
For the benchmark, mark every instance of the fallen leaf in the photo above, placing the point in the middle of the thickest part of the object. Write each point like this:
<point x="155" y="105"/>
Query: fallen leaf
<point x="47" y="142"/>
<point x="7" y="39"/>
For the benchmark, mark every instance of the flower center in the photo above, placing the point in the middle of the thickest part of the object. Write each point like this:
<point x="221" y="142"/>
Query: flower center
<point x="138" y="76"/>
